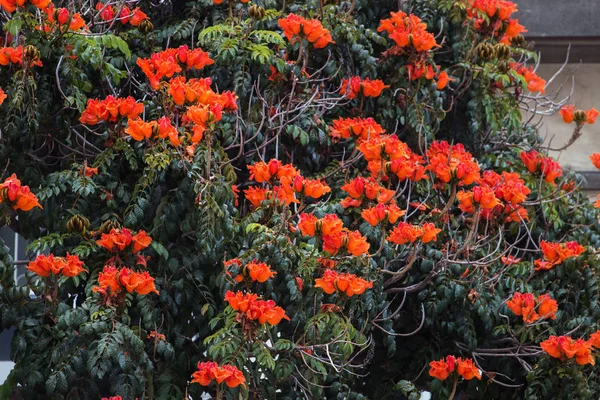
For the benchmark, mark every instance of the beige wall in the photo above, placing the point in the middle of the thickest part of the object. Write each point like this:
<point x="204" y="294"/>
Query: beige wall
<point x="586" y="95"/>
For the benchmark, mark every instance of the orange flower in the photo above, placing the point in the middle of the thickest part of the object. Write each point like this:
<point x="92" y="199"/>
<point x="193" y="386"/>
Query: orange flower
<point x="405" y="233"/>
<point x="108" y="281"/>
<point x="329" y="225"/>
<point x="408" y="31"/>
<point x="443" y="80"/>
<point x="110" y="109"/>
<point x="141" y="283"/>
<point x="429" y="232"/>
<point x="19" y="196"/>
<point x="296" y="28"/>
<point x="595" y="160"/>
<point x="259" y="272"/>
<point x="532" y="309"/>
<point x="2" y="96"/>
<point x="254" y="309"/>
<point x="349" y="284"/>
<point x="140" y="130"/>
<point x="548" y="168"/>
<point x="352" y="241"/>
<point x="156" y="336"/>
<point x="597" y="203"/>
<point x="443" y="368"/>
<point x="140" y="241"/>
<point x="361" y="188"/>
<point x="361" y="128"/>
<point x="314" y="188"/>
<point x="119" y="239"/>
<point x="534" y="82"/>
<point x="138" y="17"/>
<point x="564" y="347"/>
<point x="167" y="130"/>
<point x="265" y="172"/>
<point x="566" y="113"/>
<point x="556" y="253"/>
<point x="420" y="69"/>
<point x="581" y="117"/>
<point x="256" y="195"/>
<point x="382" y="212"/>
<point x="354" y="86"/>
<point x="508" y="187"/>
<point x="45" y="265"/>
<point x="467" y="369"/>
<point x="509" y="260"/>
<point x="211" y="371"/>
<point x="450" y="162"/>
<point x="481" y="196"/>
<point x="595" y="339"/>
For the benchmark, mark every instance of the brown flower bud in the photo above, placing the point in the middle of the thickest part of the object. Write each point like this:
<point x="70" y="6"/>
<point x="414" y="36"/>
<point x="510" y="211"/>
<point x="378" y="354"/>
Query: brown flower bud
<point x="109" y="225"/>
<point x="502" y="51"/>
<point x="145" y="27"/>
<point x="579" y="116"/>
<point x="78" y="223"/>
<point x="485" y="51"/>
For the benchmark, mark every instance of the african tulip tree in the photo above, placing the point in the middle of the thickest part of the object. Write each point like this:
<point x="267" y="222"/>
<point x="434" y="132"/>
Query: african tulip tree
<point x="289" y="200"/>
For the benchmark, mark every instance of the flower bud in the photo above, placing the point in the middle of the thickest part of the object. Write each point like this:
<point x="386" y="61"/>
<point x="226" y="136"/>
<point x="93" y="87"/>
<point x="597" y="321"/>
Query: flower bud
<point x="502" y="51"/>
<point x="145" y="27"/>
<point x="579" y="116"/>
<point x="109" y="225"/>
<point x="78" y="223"/>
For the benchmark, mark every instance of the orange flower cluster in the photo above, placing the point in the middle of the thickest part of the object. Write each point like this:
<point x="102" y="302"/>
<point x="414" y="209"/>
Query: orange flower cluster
<point x="464" y="367"/>
<point x="350" y="284"/>
<point x="511" y="189"/>
<point x="361" y="128"/>
<point x="14" y="55"/>
<point x="382" y="212"/>
<point x="556" y="253"/>
<point x="335" y="237"/>
<point x="480" y="197"/>
<point x="112" y="280"/>
<point x="63" y="17"/>
<point x="354" y="86"/>
<point x="535" y="162"/>
<point x="256" y="271"/>
<point x="595" y="339"/>
<point x="110" y="110"/>
<point x="156" y="336"/>
<point x="11" y="5"/>
<point x="312" y="226"/>
<point x="19" y="196"/>
<point x="314" y="188"/>
<point x="497" y="21"/>
<point x="290" y="183"/>
<point x="595" y="160"/>
<point x="254" y="309"/>
<point x="532" y="309"/>
<point x="406" y="233"/>
<point x="119" y="239"/>
<point x="534" y="82"/>
<point x="169" y="62"/>
<point x="211" y="371"/>
<point x="564" y="347"/>
<point x="452" y="162"/>
<point x="274" y="169"/>
<point x="66" y="266"/>
<point x="198" y="91"/>
<point x="163" y="128"/>
<point x="360" y="189"/>
<point x="389" y="154"/>
<point x="296" y="28"/>
<point x="133" y="17"/>
<point x="408" y="31"/>
<point x="580" y="117"/>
